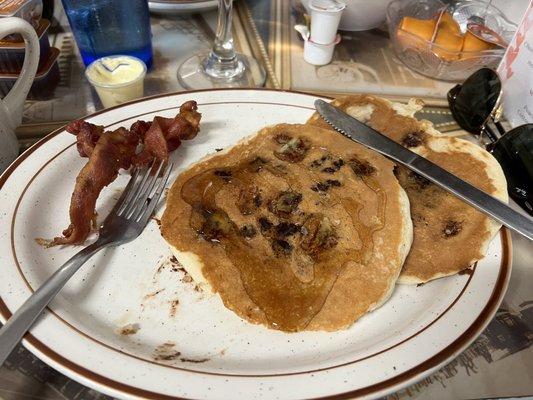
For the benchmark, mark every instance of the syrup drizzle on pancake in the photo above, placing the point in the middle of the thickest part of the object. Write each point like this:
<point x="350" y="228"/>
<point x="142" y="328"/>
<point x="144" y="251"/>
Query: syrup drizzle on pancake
<point x="291" y="285"/>
<point x="298" y="228"/>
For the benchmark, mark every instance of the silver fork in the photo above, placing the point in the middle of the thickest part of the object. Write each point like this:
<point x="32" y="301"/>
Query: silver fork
<point x="123" y="224"/>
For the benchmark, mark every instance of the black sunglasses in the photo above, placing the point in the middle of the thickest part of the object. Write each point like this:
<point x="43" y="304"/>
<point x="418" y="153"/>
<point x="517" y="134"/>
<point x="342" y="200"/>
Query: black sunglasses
<point x="474" y="105"/>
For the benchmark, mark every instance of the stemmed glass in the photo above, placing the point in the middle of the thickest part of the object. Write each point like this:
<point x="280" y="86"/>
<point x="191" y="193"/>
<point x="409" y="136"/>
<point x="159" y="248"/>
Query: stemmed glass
<point x="222" y="66"/>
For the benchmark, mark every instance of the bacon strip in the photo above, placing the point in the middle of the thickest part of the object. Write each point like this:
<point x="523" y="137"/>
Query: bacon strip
<point x="87" y="135"/>
<point x="110" y="151"/>
<point x="165" y="134"/>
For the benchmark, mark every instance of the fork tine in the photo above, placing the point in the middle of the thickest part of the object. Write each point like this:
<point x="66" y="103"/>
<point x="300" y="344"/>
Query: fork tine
<point x="140" y="194"/>
<point x="150" y="207"/>
<point x="131" y="201"/>
<point x="145" y="193"/>
<point x="135" y="186"/>
<point x="126" y="193"/>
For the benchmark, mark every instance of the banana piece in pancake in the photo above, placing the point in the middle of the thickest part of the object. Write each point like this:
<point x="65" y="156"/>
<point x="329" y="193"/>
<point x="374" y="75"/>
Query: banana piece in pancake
<point x="449" y="235"/>
<point x="296" y="227"/>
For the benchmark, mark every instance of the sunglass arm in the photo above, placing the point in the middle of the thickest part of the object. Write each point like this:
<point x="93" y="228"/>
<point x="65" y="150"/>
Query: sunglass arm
<point x="491" y="130"/>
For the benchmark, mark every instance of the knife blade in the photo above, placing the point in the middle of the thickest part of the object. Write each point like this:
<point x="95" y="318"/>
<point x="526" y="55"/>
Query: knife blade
<point x="365" y="135"/>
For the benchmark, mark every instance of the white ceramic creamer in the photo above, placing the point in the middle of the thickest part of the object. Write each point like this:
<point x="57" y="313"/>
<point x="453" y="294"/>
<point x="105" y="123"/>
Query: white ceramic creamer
<point x="11" y="106"/>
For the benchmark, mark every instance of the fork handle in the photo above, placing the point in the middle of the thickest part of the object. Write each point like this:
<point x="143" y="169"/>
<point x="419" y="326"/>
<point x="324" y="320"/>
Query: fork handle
<point x="20" y="322"/>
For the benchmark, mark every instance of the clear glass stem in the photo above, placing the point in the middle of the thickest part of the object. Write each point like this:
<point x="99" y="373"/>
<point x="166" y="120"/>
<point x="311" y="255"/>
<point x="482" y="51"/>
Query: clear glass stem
<point x="222" y="67"/>
<point x="223" y="47"/>
<point x="222" y="62"/>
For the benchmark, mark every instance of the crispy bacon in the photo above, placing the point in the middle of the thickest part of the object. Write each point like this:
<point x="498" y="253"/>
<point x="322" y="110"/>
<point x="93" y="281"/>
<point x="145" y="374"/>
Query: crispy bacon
<point x="140" y="128"/>
<point x="87" y="135"/>
<point x="165" y="134"/>
<point x="110" y="151"/>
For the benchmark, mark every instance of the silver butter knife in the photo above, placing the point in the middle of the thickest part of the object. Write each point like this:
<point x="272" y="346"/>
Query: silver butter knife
<point x="363" y="134"/>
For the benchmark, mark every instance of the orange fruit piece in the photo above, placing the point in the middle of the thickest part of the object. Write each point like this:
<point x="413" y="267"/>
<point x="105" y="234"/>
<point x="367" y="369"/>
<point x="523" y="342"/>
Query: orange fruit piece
<point x="448" y="44"/>
<point x="472" y="43"/>
<point x="448" y="23"/>
<point x="422" y="28"/>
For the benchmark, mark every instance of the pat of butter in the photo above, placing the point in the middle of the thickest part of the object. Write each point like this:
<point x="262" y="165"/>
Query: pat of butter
<point x="110" y="71"/>
<point x="117" y="79"/>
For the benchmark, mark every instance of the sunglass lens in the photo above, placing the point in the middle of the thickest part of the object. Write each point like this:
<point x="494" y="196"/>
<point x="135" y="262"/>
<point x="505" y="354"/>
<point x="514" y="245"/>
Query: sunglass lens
<point x="514" y="151"/>
<point x="472" y="102"/>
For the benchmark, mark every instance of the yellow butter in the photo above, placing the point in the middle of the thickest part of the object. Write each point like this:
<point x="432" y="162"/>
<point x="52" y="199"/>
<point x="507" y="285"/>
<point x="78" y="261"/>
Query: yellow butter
<point x="117" y="79"/>
<point x="115" y="70"/>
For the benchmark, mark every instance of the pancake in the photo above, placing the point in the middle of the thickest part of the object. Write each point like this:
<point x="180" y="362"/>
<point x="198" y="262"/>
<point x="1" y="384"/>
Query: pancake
<point x="449" y="235"/>
<point x="296" y="228"/>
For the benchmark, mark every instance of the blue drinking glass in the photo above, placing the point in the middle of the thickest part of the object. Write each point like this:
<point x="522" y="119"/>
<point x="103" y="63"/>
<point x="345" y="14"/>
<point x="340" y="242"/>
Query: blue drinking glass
<point x="108" y="27"/>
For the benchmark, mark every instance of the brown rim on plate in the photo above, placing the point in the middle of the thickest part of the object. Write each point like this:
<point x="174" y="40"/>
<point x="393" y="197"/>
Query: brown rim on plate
<point x="151" y="361"/>
<point x="447" y="353"/>
<point x="425" y="367"/>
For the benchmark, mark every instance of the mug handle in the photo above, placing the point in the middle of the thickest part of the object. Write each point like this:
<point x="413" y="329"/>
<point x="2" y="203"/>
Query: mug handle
<point x="12" y="103"/>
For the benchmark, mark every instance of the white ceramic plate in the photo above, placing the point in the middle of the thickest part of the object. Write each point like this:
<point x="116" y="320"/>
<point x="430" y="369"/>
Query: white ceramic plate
<point x="181" y="6"/>
<point x="415" y="332"/>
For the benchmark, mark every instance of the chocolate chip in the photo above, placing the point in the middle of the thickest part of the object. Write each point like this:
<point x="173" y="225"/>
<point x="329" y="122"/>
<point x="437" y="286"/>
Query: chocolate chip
<point x="285" y="203"/>
<point x="396" y="171"/>
<point x="216" y="225"/>
<point x="320" y="187"/>
<point x="264" y="224"/>
<point x="224" y="174"/>
<point x="282" y="138"/>
<point x="257" y="164"/>
<point x="284" y="229"/>
<point x="321" y="235"/>
<point x="418" y="181"/>
<point x="325" y="186"/>
<point x="294" y="150"/>
<point x="258" y="200"/>
<point x="413" y="139"/>
<point x="334" y="166"/>
<point x="333" y="182"/>
<point x="281" y="247"/>
<point x="319" y="161"/>
<point x="451" y="228"/>
<point x="248" y="231"/>
<point x="361" y="167"/>
<point x="338" y="163"/>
